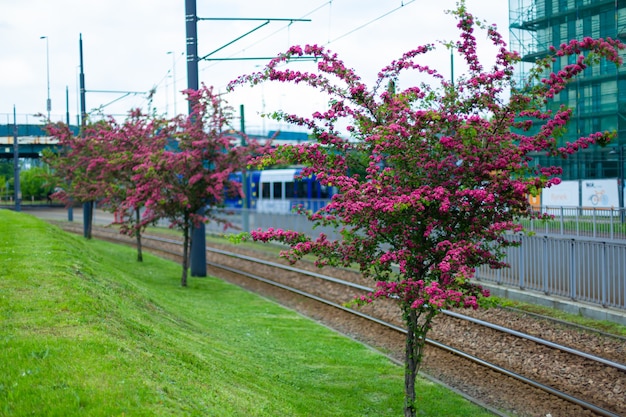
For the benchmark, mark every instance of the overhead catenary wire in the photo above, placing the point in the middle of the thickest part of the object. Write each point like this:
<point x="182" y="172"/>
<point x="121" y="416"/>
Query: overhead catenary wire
<point x="325" y="4"/>
<point x="287" y="27"/>
<point x="402" y="4"/>
<point x="282" y="28"/>
<point x="330" y="15"/>
<point x="164" y="78"/>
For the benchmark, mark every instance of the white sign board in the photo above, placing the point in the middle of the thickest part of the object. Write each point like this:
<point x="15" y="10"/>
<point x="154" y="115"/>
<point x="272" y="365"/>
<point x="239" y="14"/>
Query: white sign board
<point x="564" y="194"/>
<point x="600" y="193"/>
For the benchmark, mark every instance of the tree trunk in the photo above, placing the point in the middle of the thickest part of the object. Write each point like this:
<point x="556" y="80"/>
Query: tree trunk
<point x="411" y="364"/>
<point x="138" y="235"/>
<point x="414" y="350"/>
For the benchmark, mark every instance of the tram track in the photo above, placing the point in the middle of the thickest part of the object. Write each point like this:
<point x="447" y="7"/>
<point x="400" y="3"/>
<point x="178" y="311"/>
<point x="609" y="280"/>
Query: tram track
<point x="379" y="325"/>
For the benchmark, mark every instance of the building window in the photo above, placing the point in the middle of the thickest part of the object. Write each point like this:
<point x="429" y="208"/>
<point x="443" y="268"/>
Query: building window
<point x="572" y="33"/>
<point x="587" y="24"/>
<point x="607" y="24"/>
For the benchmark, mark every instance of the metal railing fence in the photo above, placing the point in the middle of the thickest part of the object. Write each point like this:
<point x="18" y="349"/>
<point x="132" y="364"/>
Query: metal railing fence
<point x="605" y="223"/>
<point x="578" y="269"/>
<point x="598" y="223"/>
<point x="580" y="266"/>
<point x="255" y="220"/>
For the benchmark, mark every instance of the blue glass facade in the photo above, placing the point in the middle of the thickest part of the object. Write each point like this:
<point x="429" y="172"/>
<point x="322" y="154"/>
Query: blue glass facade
<point x="598" y="97"/>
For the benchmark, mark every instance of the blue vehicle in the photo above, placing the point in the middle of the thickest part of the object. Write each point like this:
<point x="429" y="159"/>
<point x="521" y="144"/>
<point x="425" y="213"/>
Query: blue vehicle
<point x="280" y="191"/>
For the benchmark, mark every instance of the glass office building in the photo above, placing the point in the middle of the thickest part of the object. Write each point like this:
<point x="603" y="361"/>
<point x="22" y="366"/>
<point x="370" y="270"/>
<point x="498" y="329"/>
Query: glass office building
<point x="598" y="98"/>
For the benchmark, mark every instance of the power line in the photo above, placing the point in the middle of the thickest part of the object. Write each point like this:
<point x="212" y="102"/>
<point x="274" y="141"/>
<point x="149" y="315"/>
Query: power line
<point x="329" y="4"/>
<point x="402" y="4"/>
<point x="326" y="3"/>
<point x="270" y="35"/>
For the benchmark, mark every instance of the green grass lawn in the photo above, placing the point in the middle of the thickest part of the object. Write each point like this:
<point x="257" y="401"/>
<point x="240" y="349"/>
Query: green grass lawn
<point x="87" y="331"/>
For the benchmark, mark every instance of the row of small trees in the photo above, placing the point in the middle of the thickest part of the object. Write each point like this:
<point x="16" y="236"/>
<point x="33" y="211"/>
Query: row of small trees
<point x="149" y="168"/>
<point x="447" y="170"/>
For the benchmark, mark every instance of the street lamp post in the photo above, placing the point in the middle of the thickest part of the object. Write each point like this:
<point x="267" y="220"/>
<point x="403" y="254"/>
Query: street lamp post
<point x="48" y="101"/>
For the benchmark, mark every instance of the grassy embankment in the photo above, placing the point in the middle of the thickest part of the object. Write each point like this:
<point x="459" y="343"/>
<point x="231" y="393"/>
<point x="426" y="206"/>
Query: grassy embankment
<point x="87" y="331"/>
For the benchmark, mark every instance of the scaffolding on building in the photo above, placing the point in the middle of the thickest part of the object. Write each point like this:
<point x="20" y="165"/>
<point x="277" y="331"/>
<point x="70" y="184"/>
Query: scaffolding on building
<point x="598" y="97"/>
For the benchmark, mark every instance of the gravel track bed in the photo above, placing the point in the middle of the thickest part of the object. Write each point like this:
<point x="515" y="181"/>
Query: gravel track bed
<point x="597" y="384"/>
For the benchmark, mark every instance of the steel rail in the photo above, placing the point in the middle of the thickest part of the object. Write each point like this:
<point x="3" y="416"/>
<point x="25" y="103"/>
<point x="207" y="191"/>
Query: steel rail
<point x="489" y="365"/>
<point x="506" y="330"/>
<point x="566" y="323"/>
<point x="538" y="340"/>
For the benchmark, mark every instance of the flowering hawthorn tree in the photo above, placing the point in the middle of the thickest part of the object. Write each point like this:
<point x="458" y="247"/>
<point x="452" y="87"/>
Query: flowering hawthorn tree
<point x="448" y="175"/>
<point x="99" y="165"/>
<point x="124" y="148"/>
<point x="77" y="166"/>
<point x="186" y="173"/>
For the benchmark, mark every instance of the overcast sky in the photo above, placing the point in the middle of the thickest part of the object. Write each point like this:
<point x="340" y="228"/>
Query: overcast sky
<point x="126" y="45"/>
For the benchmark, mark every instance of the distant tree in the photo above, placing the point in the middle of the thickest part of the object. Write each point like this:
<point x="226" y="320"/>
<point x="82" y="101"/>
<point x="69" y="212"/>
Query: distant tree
<point x="6" y="168"/>
<point x="185" y="177"/>
<point x="124" y="146"/>
<point x="35" y="183"/>
<point x="99" y="165"/>
<point x="448" y="173"/>
<point x="78" y="165"/>
<point x="3" y="186"/>
<point x="6" y="177"/>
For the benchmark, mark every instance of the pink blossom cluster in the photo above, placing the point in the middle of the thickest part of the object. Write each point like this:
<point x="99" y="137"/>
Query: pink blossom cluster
<point x="423" y="295"/>
<point x="285" y="236"/>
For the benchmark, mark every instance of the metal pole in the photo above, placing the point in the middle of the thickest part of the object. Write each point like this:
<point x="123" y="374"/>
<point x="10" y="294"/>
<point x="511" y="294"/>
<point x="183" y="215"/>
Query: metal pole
<point x="198" y="240"/>
<point x="83" y="111"/>
<point x="167" y="95"/>
<point x="87" y="207"/>
<point x="48" y="101"/>
<point x="244" y="176"/>
<point x="621" y="182"/>
<point x="174" y="82"/>
<point x="452" y="65"/>
<point x="70" y="209"/>
<point x="67" y="106"/>
<point x="16" y="165"/>
<point x="191" y="26"/>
